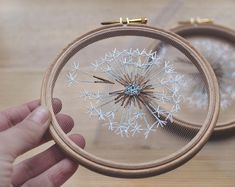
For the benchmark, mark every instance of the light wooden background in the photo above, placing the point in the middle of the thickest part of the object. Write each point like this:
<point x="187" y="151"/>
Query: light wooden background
<point x="32" y="33"/>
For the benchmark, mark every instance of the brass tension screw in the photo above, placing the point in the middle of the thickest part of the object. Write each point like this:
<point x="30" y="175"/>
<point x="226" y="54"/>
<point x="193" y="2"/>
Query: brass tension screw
<point x="197" y="21"/>
<point x="142" y="20"/>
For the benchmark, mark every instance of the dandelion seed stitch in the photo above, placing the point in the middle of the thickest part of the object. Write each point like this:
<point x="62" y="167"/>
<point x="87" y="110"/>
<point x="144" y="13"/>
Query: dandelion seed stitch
<point x="139" y="84"/>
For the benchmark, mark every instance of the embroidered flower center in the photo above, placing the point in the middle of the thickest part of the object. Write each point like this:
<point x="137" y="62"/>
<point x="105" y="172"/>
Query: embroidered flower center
<point x="132" y="89"/>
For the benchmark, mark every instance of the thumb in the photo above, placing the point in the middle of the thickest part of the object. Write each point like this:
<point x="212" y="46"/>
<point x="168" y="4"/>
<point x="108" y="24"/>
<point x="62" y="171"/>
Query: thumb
<point x="27" y="134"/>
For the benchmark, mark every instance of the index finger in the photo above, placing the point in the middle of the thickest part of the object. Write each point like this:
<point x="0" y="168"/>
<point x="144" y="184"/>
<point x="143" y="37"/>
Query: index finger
<point x="10" y="117"/>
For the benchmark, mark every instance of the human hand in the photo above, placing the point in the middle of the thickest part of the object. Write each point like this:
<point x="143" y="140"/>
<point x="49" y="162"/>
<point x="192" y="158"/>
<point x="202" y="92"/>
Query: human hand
<point x="24" y="128"/>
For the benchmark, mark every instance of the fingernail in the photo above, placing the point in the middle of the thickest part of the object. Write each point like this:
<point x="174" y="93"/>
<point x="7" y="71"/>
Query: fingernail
<point x="40" y="115"/>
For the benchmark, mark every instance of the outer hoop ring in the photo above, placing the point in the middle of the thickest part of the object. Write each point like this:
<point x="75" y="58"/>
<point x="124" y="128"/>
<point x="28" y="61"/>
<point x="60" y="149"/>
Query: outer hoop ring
<point x="217" y="31"/>
<point x="143" y="169"/>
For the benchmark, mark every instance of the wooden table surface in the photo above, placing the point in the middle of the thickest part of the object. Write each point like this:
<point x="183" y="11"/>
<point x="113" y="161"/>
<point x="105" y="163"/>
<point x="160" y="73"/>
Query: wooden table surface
<point x="32" y="33"/>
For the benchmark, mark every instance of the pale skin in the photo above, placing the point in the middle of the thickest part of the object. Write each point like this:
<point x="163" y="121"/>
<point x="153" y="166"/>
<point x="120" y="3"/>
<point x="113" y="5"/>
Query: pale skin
<point x="25" y="127"/>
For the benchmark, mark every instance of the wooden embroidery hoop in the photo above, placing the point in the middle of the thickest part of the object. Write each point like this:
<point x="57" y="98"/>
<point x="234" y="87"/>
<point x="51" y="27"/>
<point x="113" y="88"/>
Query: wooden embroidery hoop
<point x="197" y="27"/>
<point x="112" y="168"/>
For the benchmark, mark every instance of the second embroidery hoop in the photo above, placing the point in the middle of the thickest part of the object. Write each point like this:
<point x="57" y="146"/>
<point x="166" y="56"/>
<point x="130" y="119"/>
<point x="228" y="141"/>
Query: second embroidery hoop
<point x="205" y="27"/>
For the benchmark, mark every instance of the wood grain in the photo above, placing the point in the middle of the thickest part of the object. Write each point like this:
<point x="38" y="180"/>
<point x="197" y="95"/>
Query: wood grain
<point x="32" y="33"/>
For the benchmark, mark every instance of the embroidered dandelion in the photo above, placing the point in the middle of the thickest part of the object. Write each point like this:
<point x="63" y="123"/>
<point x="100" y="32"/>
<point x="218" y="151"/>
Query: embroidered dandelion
<point x="138" y="85"/>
